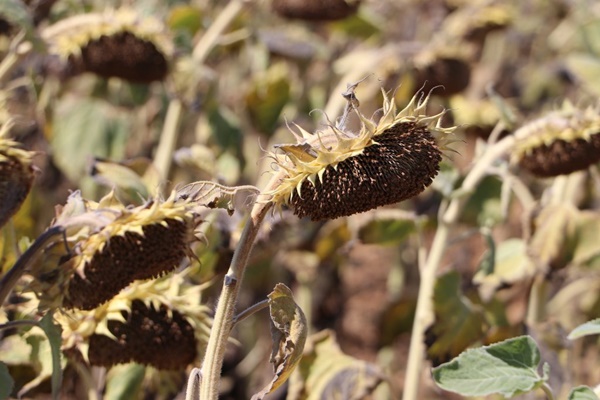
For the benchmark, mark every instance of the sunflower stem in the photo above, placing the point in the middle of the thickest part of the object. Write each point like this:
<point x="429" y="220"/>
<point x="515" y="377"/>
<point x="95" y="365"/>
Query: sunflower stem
<point x="223" y="321"/>
<point x="168" y="140"/>
<point x="448" y="217"/>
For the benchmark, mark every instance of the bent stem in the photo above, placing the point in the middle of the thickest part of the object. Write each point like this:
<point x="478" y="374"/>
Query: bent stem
<point x="448" y="217"/>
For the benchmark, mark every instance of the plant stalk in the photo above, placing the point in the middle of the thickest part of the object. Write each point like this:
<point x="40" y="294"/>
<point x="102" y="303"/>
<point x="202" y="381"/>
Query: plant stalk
<point x="448" y="217"/>
<point x="223" y="321"/>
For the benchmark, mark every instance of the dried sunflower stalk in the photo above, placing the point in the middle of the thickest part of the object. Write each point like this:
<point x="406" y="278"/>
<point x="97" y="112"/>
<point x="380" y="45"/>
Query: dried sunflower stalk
<point x="108" y="246"/>
<point x="336" y="172"/>
<point x="159" y="323"/>
<point x="117" y="43"/>
<point x="559" y="143"/>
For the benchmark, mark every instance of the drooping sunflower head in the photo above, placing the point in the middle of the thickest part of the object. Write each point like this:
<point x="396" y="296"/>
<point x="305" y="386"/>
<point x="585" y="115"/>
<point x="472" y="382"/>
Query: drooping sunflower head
<point x="117" y="43"/>
<point x="159" y="323"/>
<point x="16" y="170"/>
<point x="559" y="143"/>
<point x="315" y="10"/>
<point x="110" y="246"/>
<point x="335" y="172"/>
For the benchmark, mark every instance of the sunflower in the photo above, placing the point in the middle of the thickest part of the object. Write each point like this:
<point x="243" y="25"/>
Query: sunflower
<point x="117" y="43"/>
<point x="159" y="323"/>
<point x="562" y="142"/>
<point x="16" y="169"/>
<point x="315" y="10"/>
<point x="336" y="172"/>
<point x="108" y="246"/>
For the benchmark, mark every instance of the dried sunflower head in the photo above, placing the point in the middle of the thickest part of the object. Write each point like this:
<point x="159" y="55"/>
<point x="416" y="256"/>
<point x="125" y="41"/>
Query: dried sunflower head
<point x="16" y="175"/>
<point x="159" y="323"/>
<point x="110" y="247"/>
<point x="559" y="143"/>
<point x="117" y="43"/>
<point x="335" y="172"/>
<point x="315" y="10"/>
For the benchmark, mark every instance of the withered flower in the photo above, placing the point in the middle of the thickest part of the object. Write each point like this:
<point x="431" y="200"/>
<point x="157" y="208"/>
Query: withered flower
<point x="117" y="43"/>
<point x="559" y="143"/>
<point x="16" y="168"/>
<point x="16" y="177"/>
<point x="159" y="323"/>
<point x="335" y="172"/>
<point x="315" y="10"/>
<point x="112" y="246"/>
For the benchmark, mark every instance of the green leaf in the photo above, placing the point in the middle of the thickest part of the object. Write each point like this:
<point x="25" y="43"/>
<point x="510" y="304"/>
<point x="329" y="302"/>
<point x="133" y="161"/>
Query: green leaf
<point x="53" y="333"/>
<point x="386" y="230"/>
<point x="267" y="97"/>
<point x="124" y="382"/>
<point x="186" y="18"/>
<point x="589" y="328"/>
<point x="582" y="393"/>
<point x="587" y="248"/>
<point x="586" y="69"/>
<point x="458" y="323"/>
<point x="507" y="368"/>
<point x="289" y="330"/>
<point x="86" y="128"/>
<point x="15" y="12"/>
<point x="6" y="381"/>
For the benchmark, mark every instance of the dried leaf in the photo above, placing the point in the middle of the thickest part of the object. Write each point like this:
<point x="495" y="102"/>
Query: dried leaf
<point x="327" y="373"/>
<point x="511" y="265"/>
<point x="553" y="241"/>
<point x="213" y="195"/>
<point x="289" y="330"/>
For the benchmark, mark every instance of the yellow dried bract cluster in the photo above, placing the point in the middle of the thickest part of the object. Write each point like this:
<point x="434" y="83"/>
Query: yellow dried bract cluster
<point x="386" y="161"/>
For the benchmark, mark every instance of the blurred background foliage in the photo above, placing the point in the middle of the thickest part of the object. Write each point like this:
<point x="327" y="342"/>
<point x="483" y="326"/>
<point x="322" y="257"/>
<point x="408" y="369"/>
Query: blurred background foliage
<point x="487" y="62"/>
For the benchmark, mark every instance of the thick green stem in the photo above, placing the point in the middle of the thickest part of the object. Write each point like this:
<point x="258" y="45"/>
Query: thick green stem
<point x="424" y="311"/>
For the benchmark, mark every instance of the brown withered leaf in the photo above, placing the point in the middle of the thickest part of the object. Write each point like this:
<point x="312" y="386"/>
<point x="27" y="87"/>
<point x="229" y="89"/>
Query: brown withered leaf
<point x="325" y="372"/>
<point x="289" y="330"/>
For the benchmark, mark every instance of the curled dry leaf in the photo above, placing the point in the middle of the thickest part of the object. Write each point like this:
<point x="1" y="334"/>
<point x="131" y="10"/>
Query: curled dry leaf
<point x="288" y="330"/>
<point x="327" y="373"/>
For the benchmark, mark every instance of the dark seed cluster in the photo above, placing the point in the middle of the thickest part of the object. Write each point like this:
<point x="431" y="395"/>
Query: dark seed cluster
<point x="149" y="337"/>
<point x="122" y="55"/>
<point x="400" y="165"/>
<point x="315" y="10"/>
<point x="15" y="183"/>
<point x="128" y="258"/>
<point x="562" y="157"/>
